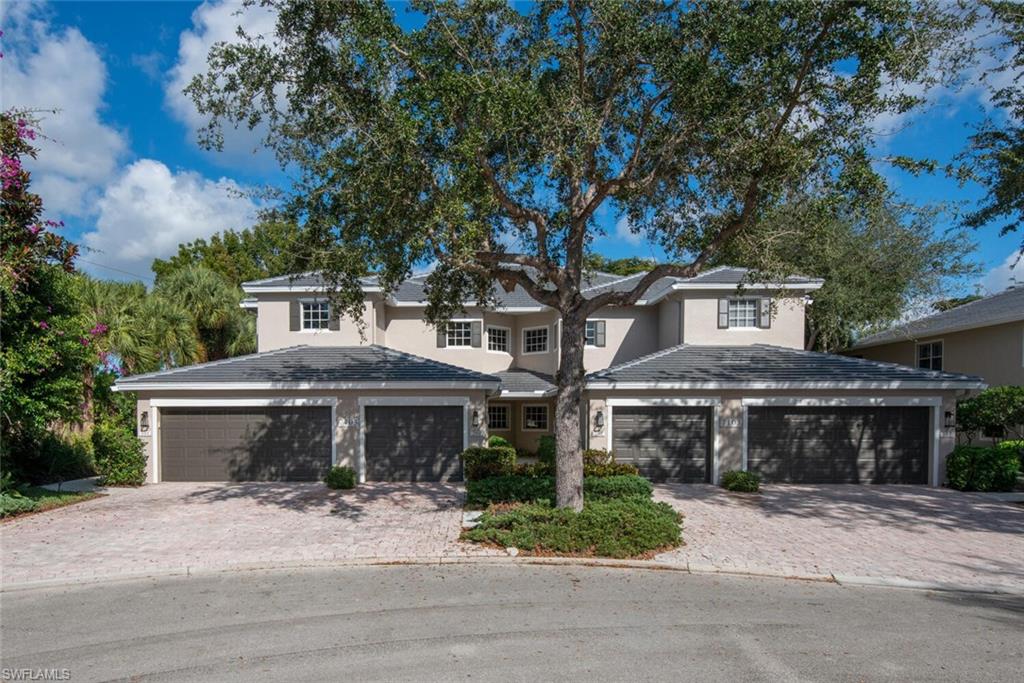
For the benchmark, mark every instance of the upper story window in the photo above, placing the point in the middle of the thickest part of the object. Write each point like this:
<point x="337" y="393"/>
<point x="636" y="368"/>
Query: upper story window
<point x="316" y="315"/>
<point x="594" y="333"/>
<point x="742" y="312"/>
<point x="929" y="356"/>
<point x="497" y="339"/>
<point x="460" y="334"/>
<point x="535" y="340"/>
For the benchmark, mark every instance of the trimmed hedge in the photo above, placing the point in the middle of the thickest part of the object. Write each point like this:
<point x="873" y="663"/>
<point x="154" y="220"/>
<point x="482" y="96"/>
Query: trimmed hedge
<point x="340" y="477"/>
<point x="740" y="481"/>
<point x="119" y="455"/>
<point x="619" y="528"/>
<point x="1016" y="447"/>
<point x="546" y="450"/>
<point x="14" y="503"/>
<point x="520" y="489"/>
<point x="976" y="468"/>
<point x="596" y="463"/>
<point x="495" y="441"/>
<point x="481" y="462"/>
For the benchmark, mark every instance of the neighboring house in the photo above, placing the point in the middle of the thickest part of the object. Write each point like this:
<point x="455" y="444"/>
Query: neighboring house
<point x="700" y="376"/>
<point x="983" y="338"/>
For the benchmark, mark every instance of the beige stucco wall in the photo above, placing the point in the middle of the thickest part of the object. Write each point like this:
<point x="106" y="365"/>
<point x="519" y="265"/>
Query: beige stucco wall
<point x="347" y="426"/>
<point x="670" y="322"/>
<point x="406" y="330"/>
<point x="700" y="322"/>
<point x="994" y="353"/>
<point x="730" y="417"/>
<point x="629" y="333"/>
<point x="546" y="363"/>
<point x="272" y="326"/>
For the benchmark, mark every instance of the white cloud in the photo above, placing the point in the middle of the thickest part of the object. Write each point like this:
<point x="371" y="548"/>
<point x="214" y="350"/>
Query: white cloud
<point x="623" y="231"/>
<point x="1009" y="272"/>
<point x="214" y="22"/>
<point x="148" y="210"/>
<point x="51" y="70"/>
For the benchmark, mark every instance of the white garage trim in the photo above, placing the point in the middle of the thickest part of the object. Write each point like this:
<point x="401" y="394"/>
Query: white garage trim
<point x="406" y="401"/>
<point x="932" y="402"/>
<point x="714" y="403"/>
<point x="155" y="404"/>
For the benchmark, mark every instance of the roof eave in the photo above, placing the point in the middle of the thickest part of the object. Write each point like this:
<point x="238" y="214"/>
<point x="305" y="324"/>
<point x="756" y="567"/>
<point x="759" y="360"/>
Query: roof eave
<point x="852" y="385"/>
<point x="292" y="386"/>
<point x="1012" y="318"/>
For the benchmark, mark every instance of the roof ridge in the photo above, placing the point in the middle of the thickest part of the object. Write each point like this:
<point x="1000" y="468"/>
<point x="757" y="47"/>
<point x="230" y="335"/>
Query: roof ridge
<point x="278" y="277"/>
<point x="616" y="281"/>
<point x="219" y="361"/>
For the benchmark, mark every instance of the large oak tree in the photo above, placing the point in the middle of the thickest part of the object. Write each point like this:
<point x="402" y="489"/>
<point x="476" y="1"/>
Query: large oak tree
<point x="488" y="137"/>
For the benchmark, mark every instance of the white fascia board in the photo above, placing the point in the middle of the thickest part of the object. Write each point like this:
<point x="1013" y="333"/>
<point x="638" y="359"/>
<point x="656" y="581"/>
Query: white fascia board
<point x="786" y="385"/>
<point x="638" y="402"/>
<point x="472" y="304"/>
<point x="527" y="394"/>
<point x="303" y="386"/>
<point x="859" y="401"/>
<point x="248" y="305"/>
<point x="929" y="334"/>
<point x="809" y="286"/>
<point x="242" y="402"/>
<point x="287" y="289"/>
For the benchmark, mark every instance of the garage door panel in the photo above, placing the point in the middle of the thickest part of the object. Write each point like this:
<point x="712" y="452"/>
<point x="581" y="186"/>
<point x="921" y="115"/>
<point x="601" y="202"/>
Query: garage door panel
<point x="278" y="443"/>
<point x="822" y="445"/>
<point x="667" y="444"/>
<point x="414" y="443"/>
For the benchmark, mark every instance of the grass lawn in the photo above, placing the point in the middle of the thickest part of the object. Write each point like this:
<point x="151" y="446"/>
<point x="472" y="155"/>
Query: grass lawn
<point x="41" y="500"/>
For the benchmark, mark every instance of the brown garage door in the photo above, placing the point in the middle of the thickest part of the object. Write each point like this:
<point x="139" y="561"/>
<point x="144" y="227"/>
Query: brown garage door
<point x="812" y="445"/>
<point x="414" y="443"/>
<point x="667" y="444"/>
<point x="245" y="444"/>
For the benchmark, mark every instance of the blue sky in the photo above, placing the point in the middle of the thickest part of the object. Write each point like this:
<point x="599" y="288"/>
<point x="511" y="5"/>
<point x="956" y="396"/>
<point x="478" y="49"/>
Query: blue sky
<point x="122" y="168"/>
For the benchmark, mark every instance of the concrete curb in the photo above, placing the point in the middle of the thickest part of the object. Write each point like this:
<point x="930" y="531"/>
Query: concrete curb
<point x="648" y="565"/>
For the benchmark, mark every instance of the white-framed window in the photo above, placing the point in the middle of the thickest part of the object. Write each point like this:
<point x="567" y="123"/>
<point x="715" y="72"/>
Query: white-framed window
<point x="929" y="355"/>
<point x="535" y="340"/>
<point x="460" y="333"/>
<point x="316" y="315"/>
<point x="498" y="417"/>
<point x="742" y="313"/>
<point x="535" y="417"/>
<point x="498" y="339"/>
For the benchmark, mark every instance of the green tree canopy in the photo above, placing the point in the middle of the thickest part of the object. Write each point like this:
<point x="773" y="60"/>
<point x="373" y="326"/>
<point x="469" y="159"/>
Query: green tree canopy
<point x="629" y="265"/>
<point x="487" y="138"/>
<point x="270" y="248"/>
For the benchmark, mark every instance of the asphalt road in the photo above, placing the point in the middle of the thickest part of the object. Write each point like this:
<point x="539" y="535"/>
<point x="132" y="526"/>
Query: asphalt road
<point x="506" y="623"/>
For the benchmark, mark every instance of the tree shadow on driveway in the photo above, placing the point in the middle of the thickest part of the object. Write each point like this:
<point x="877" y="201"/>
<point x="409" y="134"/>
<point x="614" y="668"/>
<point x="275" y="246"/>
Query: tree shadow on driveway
<point x="910" y="508"/>
<point x="377" y="498"/>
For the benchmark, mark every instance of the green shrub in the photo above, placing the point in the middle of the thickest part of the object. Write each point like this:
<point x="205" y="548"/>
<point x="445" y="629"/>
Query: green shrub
<point x="496" y="441"/>
<point x="744" y="482"/>
<point x="546" y="450"/>
<point x="1016" y="447"/>
<point x="482" y="462"/>
<point x="13" y="503"/>
<point x="340" y="477"/>
<point x="534" y="469"/>
<point x="611" y="469"/>
<point x="620" y="528"/>
<point x="520" y="489"/>
<point x="995" y="411"/>
<point x="597" y="456"/>
<point x="119" y="456"/>
<point x="975" y="468"/>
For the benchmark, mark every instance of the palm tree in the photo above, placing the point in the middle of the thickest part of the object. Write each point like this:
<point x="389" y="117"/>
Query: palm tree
<point x="221" y="327"/>
<point x="170" y="329"/>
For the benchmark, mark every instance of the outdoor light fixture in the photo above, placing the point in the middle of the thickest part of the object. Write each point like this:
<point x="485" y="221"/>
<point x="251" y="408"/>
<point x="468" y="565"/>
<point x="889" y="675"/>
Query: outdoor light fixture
<point x="950" y="420"/>
<point x="144" y="421"/>
<point x="599" y="420"/>
<point x="476" y="418"/>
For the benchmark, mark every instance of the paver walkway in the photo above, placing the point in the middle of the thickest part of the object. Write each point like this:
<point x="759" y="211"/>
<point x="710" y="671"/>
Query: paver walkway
<point x="166" y="527"/>
<point x="905" y="532"/>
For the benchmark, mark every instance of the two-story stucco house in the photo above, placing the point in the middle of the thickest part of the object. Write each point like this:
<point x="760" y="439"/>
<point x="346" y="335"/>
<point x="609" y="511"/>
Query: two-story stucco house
<point x="698" y="377"/>
<point x="983" y="338"/>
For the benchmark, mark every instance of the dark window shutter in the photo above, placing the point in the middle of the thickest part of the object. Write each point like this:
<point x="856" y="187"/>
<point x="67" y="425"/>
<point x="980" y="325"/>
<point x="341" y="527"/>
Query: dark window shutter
<point x="294" y="315"/>
<point x="442" y="336"/>
<point x="334" y="320"/>
<point x="475" y="333"/>
<point x="599" y="335"/>
<point x="723" y="314"/>
<point x="764" y="310"/>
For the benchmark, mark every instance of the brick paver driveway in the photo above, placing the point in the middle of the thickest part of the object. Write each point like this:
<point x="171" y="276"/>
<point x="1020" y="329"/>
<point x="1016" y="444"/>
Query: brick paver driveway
<point x="167" y="527"/>
<point x="903" y="532"/>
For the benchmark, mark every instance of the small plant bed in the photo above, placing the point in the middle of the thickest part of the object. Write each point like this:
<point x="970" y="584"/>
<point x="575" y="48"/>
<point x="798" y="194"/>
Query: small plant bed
<point x="35" y="499"/>
<point x="621" y="528"/>
<point x="517" y="488"/>
<point x="739" y="481"/>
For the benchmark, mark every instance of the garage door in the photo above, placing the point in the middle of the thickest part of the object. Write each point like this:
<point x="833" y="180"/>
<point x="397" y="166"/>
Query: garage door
<point x="414" y="443"/>
<point x="667" y="444"/>
<point x="814" y="445"/>
<point x="245" y="444"/>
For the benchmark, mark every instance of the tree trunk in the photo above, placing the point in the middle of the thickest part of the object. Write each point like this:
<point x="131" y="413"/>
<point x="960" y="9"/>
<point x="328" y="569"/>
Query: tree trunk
<point x="570" y="379"/>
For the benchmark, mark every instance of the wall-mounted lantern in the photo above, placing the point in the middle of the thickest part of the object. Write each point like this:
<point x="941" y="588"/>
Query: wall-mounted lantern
<point x="144" y="422"/>
<point x="476" y="418"/>
<point x="599" y="420"/>
<point x="950" y="420"/>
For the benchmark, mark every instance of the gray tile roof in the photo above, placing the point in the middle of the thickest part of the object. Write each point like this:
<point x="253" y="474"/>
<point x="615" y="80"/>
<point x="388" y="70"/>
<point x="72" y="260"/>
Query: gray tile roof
<point x="413" y="291"/>
<point x="993" y="310"/>
<point x="316" y="364"/>
<point x="767" y="366"/>
<point x="526" y="382"/>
